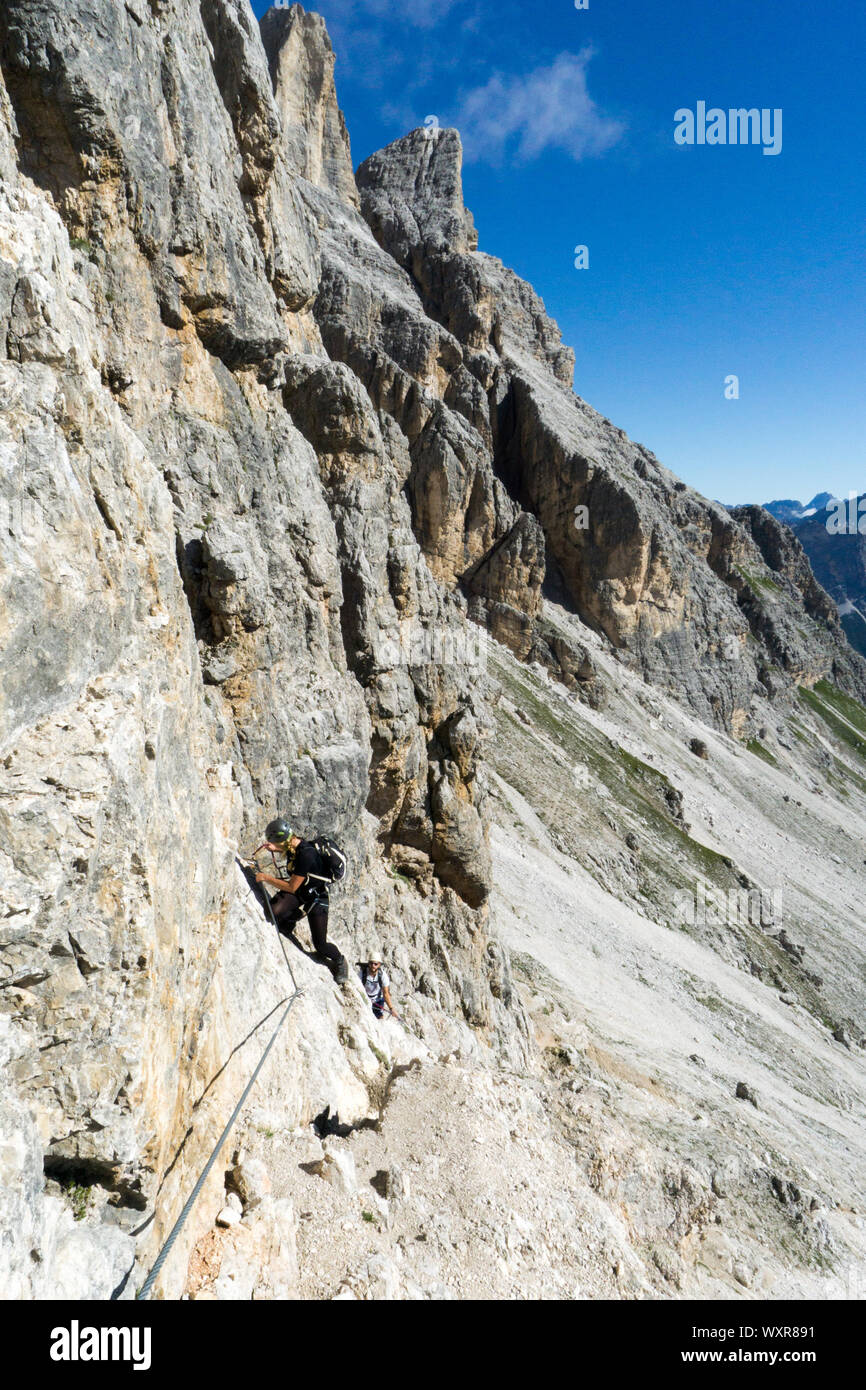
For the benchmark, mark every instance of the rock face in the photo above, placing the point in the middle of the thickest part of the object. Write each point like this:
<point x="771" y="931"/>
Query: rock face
<point x="213" y="606"/>
<point x="832" y="536"/>
<point x="314" y="135"/>
<point x="779" y="625"/>
<point x="274" y="444"/>
<point x="666" y="576"/>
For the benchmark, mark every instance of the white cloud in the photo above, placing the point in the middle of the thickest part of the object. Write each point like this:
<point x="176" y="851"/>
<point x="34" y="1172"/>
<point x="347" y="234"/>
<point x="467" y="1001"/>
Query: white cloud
<point x="549" y="108"/>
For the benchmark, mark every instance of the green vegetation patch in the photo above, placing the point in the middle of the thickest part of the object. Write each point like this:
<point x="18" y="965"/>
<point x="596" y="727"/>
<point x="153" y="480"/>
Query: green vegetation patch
<point x="756" y="746"/>
<point x="845" y="705"/>
<point x="640" y="794"/>
<point x="78" y="1196"/>
<point x="758" y="583"/>
<point x="845" y="717"/>
<point x="712" y="1002"/>
<point x="847" y="773"/>
<point x="377" y="1053"/>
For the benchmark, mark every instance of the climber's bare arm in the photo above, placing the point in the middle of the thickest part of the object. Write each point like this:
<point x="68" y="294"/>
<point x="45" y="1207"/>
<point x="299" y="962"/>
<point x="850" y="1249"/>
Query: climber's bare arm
<point x="291" y="886"/>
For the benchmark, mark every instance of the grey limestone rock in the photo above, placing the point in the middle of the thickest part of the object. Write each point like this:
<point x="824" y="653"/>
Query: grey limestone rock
<point x="274" y="443"/>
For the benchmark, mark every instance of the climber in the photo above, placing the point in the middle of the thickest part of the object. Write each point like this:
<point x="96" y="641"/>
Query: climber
<point x="375" y="981"/>
<point x="304" y="891"/>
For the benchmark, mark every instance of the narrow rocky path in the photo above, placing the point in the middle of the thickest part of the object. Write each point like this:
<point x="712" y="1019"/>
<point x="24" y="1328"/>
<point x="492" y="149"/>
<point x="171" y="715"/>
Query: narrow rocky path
<point x="465" y="1191"/>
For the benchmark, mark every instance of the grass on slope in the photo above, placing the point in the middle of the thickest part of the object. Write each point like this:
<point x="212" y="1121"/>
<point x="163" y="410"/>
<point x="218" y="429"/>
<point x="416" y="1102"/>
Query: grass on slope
<point x="844" y="716"/>
<point x="590" y="794"/>
<point x="572" y="775"/>
<point x="755" y="746"/>
<point x="759" y="583"/>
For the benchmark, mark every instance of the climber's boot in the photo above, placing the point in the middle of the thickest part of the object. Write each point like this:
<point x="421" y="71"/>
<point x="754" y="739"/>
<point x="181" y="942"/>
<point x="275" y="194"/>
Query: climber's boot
<point x="341" y="970"/>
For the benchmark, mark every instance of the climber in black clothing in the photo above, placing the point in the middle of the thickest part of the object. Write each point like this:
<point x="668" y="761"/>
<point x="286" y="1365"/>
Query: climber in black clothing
<point x="302" y="893"/>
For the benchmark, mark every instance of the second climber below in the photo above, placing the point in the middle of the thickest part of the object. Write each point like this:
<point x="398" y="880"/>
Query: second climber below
<point x="303" y="892"/>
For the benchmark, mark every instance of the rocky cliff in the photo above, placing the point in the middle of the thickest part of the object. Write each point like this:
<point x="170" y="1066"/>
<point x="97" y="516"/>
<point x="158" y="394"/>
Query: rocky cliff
<point x="285" y="459"/>
<point x="203" y="610"/>
<point x="831" y="536"/>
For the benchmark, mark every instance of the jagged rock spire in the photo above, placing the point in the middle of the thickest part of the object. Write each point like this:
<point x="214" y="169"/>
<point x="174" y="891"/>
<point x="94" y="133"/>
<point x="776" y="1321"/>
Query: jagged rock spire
<point x="301" y="61"/>
<point x="412" y="195"/>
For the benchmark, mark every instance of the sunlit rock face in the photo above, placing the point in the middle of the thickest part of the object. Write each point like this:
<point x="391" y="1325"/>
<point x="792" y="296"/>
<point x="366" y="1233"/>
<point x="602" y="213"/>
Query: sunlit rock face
<point x="283" y="457"/>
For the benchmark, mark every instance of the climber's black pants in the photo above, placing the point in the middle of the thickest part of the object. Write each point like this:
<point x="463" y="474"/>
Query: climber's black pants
<point x="288" y="912"/>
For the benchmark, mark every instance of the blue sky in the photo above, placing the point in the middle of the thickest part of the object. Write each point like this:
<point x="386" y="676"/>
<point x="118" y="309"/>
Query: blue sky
<point x="704" y="261"/>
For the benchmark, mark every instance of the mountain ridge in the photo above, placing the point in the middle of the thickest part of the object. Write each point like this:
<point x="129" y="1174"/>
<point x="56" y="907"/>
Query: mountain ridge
<point x="828" y="528"/>
<point x="305" y="517"/>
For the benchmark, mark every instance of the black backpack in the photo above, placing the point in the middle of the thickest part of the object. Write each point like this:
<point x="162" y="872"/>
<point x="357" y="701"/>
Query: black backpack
<point x="332" y="860"/>
<point x="365" y="973"/>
